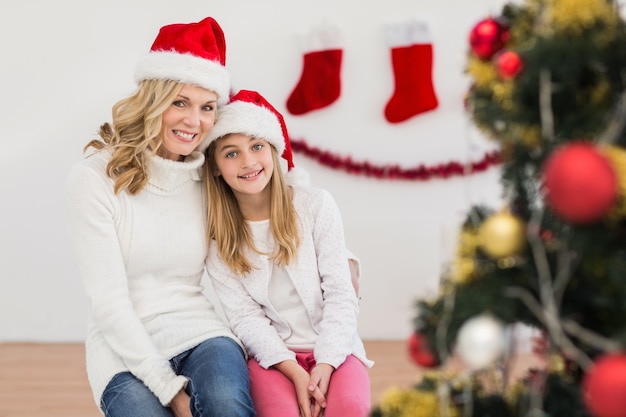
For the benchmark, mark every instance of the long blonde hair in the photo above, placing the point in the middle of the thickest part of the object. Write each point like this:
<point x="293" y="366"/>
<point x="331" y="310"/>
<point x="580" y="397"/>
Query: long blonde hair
<point x="227" y="228"/>
<point x="135" y="128"/>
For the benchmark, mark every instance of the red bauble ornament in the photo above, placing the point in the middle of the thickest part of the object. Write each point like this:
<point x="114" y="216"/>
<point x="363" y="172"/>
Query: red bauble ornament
<point x="604" y="386"/>
<point x="581" y="185"/>
<point x="420" y="352"/>
<point x="488" y="37"/>
<point x="509" y="64"/>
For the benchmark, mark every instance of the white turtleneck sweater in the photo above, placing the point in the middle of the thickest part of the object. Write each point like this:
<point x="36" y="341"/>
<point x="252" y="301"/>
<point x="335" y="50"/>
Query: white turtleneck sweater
<point x="141" y="260"/>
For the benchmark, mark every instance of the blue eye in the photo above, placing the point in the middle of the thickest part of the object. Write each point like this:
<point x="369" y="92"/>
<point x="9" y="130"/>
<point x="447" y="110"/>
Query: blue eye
<point x="257" y="146"/>
<point x="231" y="154"/>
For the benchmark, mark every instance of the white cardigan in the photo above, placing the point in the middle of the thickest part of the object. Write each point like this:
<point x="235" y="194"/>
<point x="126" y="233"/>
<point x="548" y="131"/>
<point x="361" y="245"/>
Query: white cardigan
<point x="321" y="277"/>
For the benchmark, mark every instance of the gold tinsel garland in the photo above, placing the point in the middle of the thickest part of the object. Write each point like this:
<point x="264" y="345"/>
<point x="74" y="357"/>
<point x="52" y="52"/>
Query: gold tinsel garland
<point x="463" y="266"/>
<point x="617" y="159"/>
<point x="411" y="402"/>
<point x="482" y="72"/>
<point x="573" y="17"/>
<point x="422" y="401"/>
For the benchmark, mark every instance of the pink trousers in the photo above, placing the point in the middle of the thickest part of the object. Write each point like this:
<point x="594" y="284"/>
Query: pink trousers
<point x="274" y="395"/>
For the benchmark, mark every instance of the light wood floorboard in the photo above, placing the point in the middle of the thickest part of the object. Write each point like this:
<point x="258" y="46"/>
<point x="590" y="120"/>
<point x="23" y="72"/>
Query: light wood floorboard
<point x="49" y="380"/>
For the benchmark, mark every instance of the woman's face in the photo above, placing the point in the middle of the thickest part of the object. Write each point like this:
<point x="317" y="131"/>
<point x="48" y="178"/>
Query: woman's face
<point x="187" y="121"/>
<point x="245" y="163"/>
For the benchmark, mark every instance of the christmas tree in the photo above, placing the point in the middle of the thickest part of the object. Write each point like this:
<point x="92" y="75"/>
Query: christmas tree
<point x="549" y="86"/>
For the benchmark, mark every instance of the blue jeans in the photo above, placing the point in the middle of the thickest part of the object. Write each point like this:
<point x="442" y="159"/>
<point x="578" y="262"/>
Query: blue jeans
<point x="219" y="385"/>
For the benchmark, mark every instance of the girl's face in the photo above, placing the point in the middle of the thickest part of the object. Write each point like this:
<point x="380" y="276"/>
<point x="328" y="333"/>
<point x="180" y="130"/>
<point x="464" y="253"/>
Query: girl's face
<point x="245" y="163"/>
<point x="187" y="121"/>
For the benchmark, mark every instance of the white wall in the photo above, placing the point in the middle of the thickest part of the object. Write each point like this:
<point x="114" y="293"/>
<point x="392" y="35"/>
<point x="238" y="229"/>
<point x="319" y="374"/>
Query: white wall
<point x="64" y="64"/>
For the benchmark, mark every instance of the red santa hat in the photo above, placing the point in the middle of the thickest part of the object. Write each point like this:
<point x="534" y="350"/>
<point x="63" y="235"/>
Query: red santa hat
<point x="249" y="113"/>
<point x="191" y="53"/>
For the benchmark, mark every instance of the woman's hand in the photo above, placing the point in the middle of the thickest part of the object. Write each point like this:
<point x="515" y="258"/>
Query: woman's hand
<point x="181" y="404"/>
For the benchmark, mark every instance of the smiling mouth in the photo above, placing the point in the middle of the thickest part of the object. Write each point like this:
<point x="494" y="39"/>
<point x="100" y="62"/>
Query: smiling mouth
<point x="252" y="175"/>
<point x="186" y="136"/>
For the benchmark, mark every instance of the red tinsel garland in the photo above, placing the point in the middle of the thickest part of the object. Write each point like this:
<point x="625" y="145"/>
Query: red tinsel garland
<point x="395" y="172"/>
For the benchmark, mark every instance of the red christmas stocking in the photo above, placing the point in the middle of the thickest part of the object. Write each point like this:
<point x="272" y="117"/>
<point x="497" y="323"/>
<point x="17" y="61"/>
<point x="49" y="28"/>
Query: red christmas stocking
<point x="412" y="61"/>
<point x="320" y="82"/>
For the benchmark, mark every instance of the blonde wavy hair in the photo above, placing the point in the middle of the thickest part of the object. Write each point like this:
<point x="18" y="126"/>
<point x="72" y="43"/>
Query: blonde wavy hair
<point x="135" y="133"/>
<point x="227" y="228"/>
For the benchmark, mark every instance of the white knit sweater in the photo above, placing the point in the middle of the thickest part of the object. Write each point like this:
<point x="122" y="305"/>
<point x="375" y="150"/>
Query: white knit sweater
<point x="141" y="260"/>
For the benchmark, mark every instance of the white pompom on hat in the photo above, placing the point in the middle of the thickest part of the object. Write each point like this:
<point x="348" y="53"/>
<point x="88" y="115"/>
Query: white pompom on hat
<point x="191" y="53"/>
<point x="249" y="113"/>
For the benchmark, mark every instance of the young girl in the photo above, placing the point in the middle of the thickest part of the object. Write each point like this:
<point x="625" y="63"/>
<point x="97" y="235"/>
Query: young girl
<point x="277" y="259"/>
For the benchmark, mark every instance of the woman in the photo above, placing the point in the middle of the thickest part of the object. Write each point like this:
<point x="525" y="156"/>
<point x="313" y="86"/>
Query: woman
<point x="277" y="261"/>
<point x="155" y="345"/>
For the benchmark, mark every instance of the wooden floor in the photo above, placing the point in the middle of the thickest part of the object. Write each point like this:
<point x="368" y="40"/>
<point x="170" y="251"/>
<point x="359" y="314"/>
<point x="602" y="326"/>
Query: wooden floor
<point x="49" y="380"/>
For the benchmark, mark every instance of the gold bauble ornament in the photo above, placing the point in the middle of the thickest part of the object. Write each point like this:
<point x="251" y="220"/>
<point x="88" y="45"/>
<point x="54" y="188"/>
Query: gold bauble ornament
<point x="502" y="234"/>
